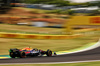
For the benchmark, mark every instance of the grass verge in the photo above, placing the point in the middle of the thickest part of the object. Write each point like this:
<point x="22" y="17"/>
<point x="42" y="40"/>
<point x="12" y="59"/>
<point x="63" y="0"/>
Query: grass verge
<point x="66" y="64"/>
<point x="28" y="29"/>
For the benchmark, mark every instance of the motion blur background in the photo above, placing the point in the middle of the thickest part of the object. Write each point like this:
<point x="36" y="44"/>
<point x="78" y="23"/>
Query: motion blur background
<point x="46" y="18"/>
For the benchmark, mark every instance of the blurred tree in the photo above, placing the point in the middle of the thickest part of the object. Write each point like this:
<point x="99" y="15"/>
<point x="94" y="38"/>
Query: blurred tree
<point x="4" y="6"/>
<point x="94" y="3"/>
<point x="57" y="2"/>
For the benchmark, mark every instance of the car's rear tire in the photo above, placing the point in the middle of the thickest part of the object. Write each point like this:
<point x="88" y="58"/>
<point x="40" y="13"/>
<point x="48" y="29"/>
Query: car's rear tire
<point x="49" y="53"/>
<point x="12" y="55"/>
<point x="22" y="54"/>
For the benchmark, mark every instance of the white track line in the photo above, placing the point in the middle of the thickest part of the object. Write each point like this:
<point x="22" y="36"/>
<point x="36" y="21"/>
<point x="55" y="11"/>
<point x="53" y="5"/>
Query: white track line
<point x="51" y="62"/>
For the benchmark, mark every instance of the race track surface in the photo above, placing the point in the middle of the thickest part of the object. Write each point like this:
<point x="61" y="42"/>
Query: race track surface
<point x="93" y="54"/>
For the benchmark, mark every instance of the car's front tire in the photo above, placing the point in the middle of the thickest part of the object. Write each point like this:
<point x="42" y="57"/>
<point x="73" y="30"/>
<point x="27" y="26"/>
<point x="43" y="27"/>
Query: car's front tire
<point x="49" y="53"/>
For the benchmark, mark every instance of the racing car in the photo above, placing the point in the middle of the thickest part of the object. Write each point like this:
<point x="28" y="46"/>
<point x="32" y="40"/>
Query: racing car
<point x="28" y="52"/>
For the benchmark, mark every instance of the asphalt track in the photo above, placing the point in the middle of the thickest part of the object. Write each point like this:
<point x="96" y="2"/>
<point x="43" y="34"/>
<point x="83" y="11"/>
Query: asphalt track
<point x="93" y="54"/>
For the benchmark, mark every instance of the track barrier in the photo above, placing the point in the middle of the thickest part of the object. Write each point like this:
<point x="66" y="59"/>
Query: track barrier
<point x="37" y="36"/>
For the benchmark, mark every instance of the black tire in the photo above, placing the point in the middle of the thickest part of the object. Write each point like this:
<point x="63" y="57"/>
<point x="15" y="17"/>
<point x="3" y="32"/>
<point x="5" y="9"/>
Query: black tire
<point x="49" y="53"/>
<point x="12" y="55"/>
<point x="22" y="55"/>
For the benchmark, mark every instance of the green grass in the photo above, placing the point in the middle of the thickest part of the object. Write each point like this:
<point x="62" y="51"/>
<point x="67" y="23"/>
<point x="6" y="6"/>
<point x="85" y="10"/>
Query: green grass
<point x="33" y="30"/>
<point x="66" y="64"/>
<point x="23" y="32"/>
<point x="29" y="29"/>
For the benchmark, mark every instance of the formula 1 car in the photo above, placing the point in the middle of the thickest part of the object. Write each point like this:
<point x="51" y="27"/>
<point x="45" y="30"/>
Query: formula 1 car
<point x="28" y="52"/>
